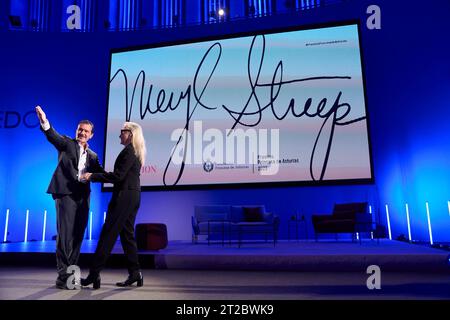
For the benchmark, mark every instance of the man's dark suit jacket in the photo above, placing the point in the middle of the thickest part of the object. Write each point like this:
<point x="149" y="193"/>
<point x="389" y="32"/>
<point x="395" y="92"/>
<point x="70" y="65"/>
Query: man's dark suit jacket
<point x="126" y="172"/>
<point x="65" y="178"/>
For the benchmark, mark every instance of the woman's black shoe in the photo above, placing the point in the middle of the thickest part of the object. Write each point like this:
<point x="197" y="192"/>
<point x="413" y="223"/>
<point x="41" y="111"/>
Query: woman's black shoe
<point x="91" y="278"/>
<point x="137" y="277"/>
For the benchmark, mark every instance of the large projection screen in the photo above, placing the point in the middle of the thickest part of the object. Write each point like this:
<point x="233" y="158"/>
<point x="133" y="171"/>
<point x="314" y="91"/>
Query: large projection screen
<point x="277" y="107"/>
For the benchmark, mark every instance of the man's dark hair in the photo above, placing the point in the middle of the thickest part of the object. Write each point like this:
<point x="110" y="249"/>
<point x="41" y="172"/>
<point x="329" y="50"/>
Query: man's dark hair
<point x="87" y="122"/>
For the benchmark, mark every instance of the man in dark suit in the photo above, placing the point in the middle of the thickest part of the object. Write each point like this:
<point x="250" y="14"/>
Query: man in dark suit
<point x="70" y="192"/>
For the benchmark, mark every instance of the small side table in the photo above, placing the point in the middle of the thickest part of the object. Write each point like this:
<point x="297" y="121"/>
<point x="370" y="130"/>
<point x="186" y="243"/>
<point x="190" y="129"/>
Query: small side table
<point x="295" y="223"/>
<point x="222" y="229"/>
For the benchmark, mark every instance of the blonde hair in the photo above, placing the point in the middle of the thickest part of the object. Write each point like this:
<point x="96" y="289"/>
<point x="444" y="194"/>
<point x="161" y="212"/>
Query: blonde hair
<point x="137" y="140"/>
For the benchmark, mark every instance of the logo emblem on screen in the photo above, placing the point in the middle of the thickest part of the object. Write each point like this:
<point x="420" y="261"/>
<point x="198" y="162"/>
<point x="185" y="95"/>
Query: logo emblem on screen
<point x="208" y="166"/>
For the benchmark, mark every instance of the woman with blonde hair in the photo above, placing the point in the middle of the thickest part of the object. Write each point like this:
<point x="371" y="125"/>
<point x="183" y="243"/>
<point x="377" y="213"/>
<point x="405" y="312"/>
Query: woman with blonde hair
<point x="122" y="208"/>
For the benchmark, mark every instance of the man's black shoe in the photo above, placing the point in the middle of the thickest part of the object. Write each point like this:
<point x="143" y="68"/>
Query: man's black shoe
<point x="61" y="284"/>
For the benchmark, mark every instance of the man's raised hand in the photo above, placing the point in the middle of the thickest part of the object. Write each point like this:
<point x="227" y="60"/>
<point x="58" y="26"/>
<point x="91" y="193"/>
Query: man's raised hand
<point x="41" y="114"/>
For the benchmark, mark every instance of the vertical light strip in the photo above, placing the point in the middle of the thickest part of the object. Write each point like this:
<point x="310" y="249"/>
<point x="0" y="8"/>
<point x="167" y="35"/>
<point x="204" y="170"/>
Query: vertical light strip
<point x="388" y="222"/>
<point x="170" y="14"/>
<point x="43" y="227"/>
<point x="429" y="223"/>
<point x="140" y="12"/>
<point x="176" y="12"/>
<point x="407" y="220"/>
<point x="448" y="204"/>
<point x="85" y="17"/>
<point x="167" y="12"/>
<point x="123" y="14"/>
<point x="128" y="15"/>
<point x="90" y="226"/>
<point x="104" y="216"/>
<point x="42" y="14"/>
<point x="6" y="226"/>
<point x="210" y="6"/>
<point x="89" y="15"/>
<point x="25" y="239"/>
<point x="371" y="217"/>
<point x="162" y="4"/>
<point x="120" y="13"/>
<point x="135" y="15"/>
<point x="39" y="15"/>
<point x="132" y="7"/>
<point x="47" y="19"/>
<point x="30" y="15"/>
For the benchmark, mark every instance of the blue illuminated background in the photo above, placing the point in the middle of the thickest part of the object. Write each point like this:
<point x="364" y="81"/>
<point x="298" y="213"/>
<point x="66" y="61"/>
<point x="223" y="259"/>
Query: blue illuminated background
<point x="407" y="73"/>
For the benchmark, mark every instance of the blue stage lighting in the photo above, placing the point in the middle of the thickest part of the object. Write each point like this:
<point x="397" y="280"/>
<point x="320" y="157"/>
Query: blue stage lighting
<point x="429" y="224"/>
<point x="43" y="227"/>
<point x="407" y="220"/>
<point x="388" y="222"/>
<point x="6" y="226"/>
<point x="25" y="239"/>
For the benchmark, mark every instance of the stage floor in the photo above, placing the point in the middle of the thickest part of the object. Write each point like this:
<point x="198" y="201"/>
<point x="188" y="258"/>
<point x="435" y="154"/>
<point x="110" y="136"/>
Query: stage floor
<point x="26" y="283"/>
<point x="285" y="256"/>
<point x="256" y="271"/>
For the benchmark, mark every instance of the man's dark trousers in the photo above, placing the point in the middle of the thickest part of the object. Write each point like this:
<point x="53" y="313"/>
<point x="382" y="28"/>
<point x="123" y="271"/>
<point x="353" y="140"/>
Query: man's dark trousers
<point x="72" y="214"/>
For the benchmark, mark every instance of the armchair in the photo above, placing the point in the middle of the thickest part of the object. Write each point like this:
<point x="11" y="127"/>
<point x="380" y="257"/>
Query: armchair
<point x="346" y="218"/>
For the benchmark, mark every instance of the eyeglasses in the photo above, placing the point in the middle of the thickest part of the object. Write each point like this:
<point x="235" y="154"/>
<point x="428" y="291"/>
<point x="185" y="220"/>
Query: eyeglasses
<point x="125" y="130"/>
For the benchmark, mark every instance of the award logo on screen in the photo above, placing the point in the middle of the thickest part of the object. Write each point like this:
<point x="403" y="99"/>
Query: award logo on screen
<point x="208" y="166"/>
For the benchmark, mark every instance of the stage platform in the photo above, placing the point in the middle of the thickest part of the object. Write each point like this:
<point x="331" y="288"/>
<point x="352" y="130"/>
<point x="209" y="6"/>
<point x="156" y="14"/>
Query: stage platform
<point x="324" y="255"/>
